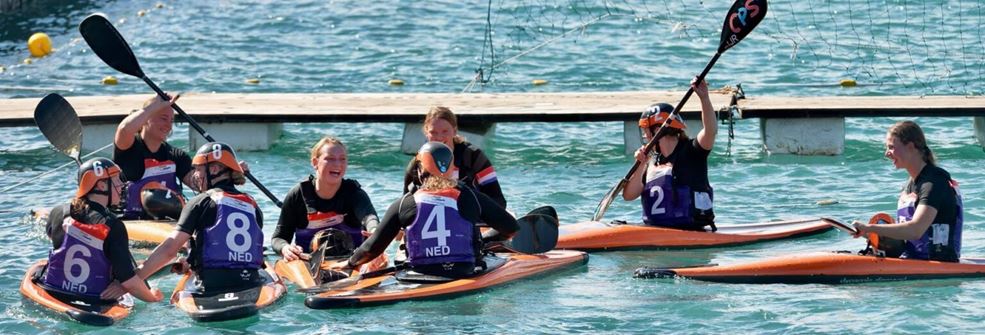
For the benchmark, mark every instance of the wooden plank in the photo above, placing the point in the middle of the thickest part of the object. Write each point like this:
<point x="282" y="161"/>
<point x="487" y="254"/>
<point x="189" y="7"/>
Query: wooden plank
<point x="807" y="107"/>
<point x="479" y="108"/>
<point x="373" y="107"/>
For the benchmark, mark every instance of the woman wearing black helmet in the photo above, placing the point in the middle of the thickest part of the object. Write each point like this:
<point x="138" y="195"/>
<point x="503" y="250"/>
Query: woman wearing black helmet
<point x="439" y="219"/>
<point x="228" y="247"/>
<point x="91" y="258"/>
<point x="676" y="192"/>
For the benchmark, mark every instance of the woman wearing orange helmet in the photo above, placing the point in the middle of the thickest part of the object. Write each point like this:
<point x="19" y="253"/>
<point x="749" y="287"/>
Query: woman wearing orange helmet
<point x="674" y="181"/>
<point x="91" y="259"/>
<point x="228" y="248"/>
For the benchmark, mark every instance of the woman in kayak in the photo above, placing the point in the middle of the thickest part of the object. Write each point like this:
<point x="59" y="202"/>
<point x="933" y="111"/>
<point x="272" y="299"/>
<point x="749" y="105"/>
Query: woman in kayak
<point x="149" y="162"/>
<point x="91" y="257"/>
<point x="676" y="192"/>
<point x="325" y="200"/>
<point x="439" y="219"/>
<point x="228" y="247"/>
<point x="471" y="165"/>
<point x="929" y="211"/>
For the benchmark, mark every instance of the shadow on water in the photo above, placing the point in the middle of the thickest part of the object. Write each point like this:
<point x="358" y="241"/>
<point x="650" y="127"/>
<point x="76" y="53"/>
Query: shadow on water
<point x="51" y="16"/>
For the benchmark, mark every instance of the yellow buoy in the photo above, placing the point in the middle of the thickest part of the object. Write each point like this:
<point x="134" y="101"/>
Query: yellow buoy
<point x="848" y="83"/>
<point x="159" y="5"/>
<point x="826" y="202"/>
<point x="253" y="81"/>
<point x="28" y="61"/>
<point x="395" y="82"/>
<point x="110" y="80"/>
<point x="39" y="44"/>
<point x="141" y="12"/>
<point x="538" y="82"/>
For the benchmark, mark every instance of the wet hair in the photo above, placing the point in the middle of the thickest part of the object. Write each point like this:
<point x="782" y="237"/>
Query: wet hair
<point x="910" y="132"/>
<point x="328" y="139"/>
<point x="434" y="183"/>
<point x="444" y="113"/>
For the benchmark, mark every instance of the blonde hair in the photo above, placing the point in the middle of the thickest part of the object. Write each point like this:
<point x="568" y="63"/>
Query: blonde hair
<point x="434" y="183"/>
<point x="443" y="113"/>
<point x="328" y="139"/>
<point x="910" y="132"/>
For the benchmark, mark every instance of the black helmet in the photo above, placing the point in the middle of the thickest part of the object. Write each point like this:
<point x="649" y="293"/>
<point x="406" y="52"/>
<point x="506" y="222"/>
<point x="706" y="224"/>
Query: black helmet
<point x="217" y="152"/>
<point x="94" y="170"/>
<point x="657" y="114"/>
<point x="437" y="159"/>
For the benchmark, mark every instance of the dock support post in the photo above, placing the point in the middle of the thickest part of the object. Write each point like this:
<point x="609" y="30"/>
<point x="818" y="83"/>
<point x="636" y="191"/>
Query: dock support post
<point x="980" y="130"/>
<point x="242" y="136"/>
<point x="476" y="134"/>
<point x="814" y="136"/>
<point x="95" y="136"/>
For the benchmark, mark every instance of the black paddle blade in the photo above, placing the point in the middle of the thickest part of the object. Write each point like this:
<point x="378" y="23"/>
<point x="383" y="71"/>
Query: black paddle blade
<point x="545" y="210"/>
<point x="742" y="18"/>
<point x="60" y="124"/>
<point x="538" y="234"/>
<point x="109" y="45"/>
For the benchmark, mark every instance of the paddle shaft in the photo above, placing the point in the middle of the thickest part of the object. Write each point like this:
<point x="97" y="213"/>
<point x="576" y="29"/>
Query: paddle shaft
<point x="653" y="141"/>
<point x="208" y="137"/>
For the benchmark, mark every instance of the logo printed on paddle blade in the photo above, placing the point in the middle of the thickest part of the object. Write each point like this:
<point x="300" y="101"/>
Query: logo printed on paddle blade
<point x="742" y="18"/>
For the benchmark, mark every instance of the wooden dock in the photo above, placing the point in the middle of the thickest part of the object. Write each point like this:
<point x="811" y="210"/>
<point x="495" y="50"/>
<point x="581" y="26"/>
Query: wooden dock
<point x="785" y="121"/>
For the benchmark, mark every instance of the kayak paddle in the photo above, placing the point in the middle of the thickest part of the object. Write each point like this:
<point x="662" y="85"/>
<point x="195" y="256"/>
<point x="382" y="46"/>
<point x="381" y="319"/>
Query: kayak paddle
<point x="742" y="18"/>
<point x="110" y="46"/>
<point x="60" y="124"/>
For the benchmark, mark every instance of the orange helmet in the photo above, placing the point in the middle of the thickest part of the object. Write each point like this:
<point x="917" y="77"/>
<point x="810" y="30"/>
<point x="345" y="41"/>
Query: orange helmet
<point x="92" y="171"/>
<point x="215" y="152"/>
<point x="657" y="114"/>
<point x="437" y="159"/>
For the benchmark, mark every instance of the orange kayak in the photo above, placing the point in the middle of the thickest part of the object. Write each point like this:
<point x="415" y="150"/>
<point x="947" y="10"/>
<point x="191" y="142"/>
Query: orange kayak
<point x="96" y="314"/>
<point x="825" y="268"/>
<point x="227" y="305"/>
<point x="297" y="272"/>
<point x="594" y="235"/>
<point x="142" y="233"/>
<point x="505" y="267"/>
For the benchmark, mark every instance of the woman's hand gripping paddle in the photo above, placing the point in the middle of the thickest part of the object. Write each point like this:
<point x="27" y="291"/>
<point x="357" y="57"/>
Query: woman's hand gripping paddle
<point x="60" y="124"/>
<point x="879" y="247"/>
<point x="110" y="46"/>
<point x="742" y="18"/>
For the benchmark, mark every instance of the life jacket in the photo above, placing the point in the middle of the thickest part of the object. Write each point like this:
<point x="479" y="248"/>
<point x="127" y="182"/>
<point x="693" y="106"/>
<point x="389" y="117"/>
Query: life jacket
<point x="235" y="241"/>
<point x="156" y="174"/>
<point x="665" y="203"/>
<point x="439" y="234"/>
<point x="80" y="266"/>
<point x="942" y="240"/>
<point x="318" y="221"/>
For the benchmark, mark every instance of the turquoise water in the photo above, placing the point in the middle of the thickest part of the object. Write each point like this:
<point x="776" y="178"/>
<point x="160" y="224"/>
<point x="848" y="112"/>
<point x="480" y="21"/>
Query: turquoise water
<point x="342" y="46"/>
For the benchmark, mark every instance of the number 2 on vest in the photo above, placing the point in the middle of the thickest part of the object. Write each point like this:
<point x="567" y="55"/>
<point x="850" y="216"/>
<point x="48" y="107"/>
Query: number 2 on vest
<point x="658" y="192"/>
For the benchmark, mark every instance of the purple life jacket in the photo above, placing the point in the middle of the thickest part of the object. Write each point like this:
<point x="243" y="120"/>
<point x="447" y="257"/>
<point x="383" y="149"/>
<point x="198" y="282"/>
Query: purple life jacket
<point x="439" y="234"/>
<point x="318" y="221"/>
<point x="80" y="266"/>
<point x="942" y="240"/>
<point x="235" y="241"/>
<point x="156" y="174"/>
<point x="665" y="204"/>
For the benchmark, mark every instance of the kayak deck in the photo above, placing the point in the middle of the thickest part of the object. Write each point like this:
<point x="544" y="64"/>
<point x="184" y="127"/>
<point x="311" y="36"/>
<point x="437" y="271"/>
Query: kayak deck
<point x="96" y="315"/>
<point x="142" y="233"/>
<point x="595" y="235"/>
<point x="297" y="272"/>
<point x="227" y="305"/>
<point x="387" y="289"/>
<point x="829" y="268"/>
